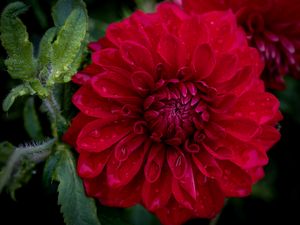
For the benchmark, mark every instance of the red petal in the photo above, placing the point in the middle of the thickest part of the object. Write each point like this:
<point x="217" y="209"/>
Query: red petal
<point x="203" y="61"/>
<point x="137" y="55"/>
<point x="110" y="59"/>
<point x="89" y="103"/>
<point x="244" y="154"/>
<point x="210" y="198"/>
<point x="142" y="81"/>
<point x="260" y="107"/>
<point x="174" y="213"/>
<point x="223" y="103"/>
<point x="153" y="167"/>
<point x="127" y="145"/>
<point x="84" y="76"/>
<point x="120" y="173"/>
<point x="112" y="85"/>
<point x="91" y="165"/>
<point x="241" y="128"/>
<point x="172" y="51"/>
<point x="225" y="69"/>
<point x="235" y="182"/>
<point x="256" y="174"/>
<point x="192" y="33"/>
<point x="126" y="196"/>
<point x="240" y="83"/>
<point x="266" y="137"/>
<point x="156" y="194"/>
<point x="177" y="162"/>
<point x="187" y="182"/>
<point x="99" y="135"/>
<point x="151" y="24"/>
<point x="207" y="164"/>
<point x="171" y="16"/>
<point x="94" y="46"/>
<point x="116" y="32"/>
<point x="181" y="196"/>
<point x="78" y="122"/>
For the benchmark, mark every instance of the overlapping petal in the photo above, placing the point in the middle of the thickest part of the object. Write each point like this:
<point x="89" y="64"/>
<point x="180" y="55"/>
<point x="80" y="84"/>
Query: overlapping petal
<point x="172" y="118"/>
<point x="276" y="37"/>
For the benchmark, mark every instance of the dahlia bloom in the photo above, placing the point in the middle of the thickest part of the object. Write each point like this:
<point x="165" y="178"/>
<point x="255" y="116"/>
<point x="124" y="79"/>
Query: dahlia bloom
<point x="173" y="114"/>
<point x="272" y="26"/>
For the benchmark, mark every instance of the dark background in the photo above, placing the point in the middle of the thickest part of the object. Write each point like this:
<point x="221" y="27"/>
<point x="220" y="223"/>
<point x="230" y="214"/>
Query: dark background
<point x="275" y="199"/>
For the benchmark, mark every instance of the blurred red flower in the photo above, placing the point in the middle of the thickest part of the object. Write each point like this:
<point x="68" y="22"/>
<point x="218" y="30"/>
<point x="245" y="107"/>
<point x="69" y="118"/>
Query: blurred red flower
<point x="272" y="26"/>
<point x="173" y="114"/>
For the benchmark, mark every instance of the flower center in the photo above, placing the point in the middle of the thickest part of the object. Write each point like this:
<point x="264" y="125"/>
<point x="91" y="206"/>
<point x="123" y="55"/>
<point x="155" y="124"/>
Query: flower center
<point x="175" y="110"/>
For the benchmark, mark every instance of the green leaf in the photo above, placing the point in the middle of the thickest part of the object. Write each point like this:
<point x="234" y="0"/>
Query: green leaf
<point x="45" y="52"/>
<point x="20" y="177"/>
<point x="289" y="98"/>
<point x="77" y="208"/>
<point x="20" y="63"/>
<point x="38" y="11"/>
<point x="63" y="8"/>
<point x="112" y="216"/>
<point x="139" y="215"/>
<point x="67" y="48"/>
<point x="31" y="120"/>
<point x="6" y="149"/>
<point x="49" y="169"/>
<point x="21" y="90"/>
<point x="75" y="64"/>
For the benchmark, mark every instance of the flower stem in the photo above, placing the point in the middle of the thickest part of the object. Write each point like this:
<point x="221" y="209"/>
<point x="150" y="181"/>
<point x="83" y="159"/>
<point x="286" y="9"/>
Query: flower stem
<point x="34" y="153"/>
<point x="58" y="122"/>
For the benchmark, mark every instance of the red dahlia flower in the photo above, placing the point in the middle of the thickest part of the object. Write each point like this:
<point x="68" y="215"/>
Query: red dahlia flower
<point x="272" y="26"/>
<point x="173" y="114"/>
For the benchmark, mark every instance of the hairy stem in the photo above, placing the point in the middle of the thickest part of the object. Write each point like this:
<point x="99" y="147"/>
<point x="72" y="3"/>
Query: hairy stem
<point x="34" y="153"/>
<point x="58" y="122"/>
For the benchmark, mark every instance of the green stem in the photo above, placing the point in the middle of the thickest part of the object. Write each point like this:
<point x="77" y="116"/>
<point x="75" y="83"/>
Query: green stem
<point x="58" y="122"/>
<point x="34" y="153"/>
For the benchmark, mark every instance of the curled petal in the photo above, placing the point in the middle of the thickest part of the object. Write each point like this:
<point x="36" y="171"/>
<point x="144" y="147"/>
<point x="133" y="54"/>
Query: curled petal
<point x="120" y="173"/>
<point x="177" y="162"/>
<point x="128" y="145"/>
<point x="154" y="163"/>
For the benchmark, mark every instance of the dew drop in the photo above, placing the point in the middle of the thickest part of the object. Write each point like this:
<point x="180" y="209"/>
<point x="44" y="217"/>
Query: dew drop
<point x="238" y="114"/>
<point x="95" y="133"/>
<point x="251" y="103"/>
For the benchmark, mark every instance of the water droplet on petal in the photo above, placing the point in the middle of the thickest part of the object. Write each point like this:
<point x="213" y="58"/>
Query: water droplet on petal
<point x="95" y="133"/>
